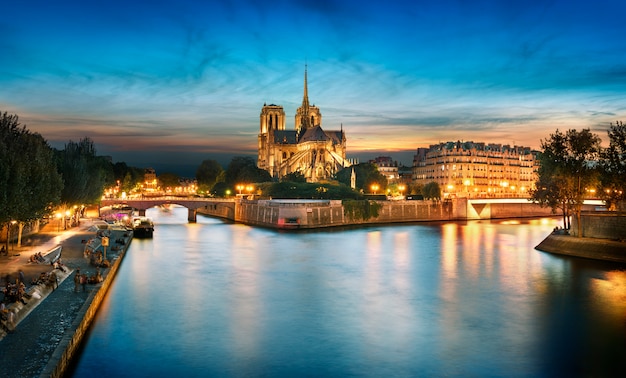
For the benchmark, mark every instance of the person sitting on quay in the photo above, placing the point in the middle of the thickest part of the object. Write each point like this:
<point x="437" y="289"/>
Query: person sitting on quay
<point x="59" y="265"/>
<point x="96" y="278"/>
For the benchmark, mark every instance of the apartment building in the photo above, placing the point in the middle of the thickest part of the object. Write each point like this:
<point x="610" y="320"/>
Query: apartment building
<point x="477" y="170"/>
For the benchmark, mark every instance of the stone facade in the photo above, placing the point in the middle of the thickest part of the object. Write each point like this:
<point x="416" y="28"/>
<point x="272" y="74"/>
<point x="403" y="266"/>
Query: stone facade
<point x="315" y="153"/>
<point x="477" y="170"/>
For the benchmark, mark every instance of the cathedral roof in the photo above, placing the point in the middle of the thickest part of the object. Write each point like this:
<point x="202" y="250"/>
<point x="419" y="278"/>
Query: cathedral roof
<point x="314" y="134"/>
<point x="285" y="136"/>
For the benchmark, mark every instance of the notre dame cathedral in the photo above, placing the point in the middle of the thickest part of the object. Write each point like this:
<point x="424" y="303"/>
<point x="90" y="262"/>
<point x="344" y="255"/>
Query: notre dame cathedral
<point x="315" y="153"/>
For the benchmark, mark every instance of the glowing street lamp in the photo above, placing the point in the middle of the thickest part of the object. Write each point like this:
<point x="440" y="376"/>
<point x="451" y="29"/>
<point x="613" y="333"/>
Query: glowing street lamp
<point x="249" y="189"/>
<point x="375" y="188"/>
<point x="240" y="187"/>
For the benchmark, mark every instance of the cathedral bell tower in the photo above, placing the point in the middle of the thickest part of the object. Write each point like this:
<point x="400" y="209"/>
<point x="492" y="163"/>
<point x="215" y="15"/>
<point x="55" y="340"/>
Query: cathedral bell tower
<point x="272" y="119"/>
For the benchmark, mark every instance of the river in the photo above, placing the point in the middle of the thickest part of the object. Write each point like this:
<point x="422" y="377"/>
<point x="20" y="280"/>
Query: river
<point x="446" y="299"/>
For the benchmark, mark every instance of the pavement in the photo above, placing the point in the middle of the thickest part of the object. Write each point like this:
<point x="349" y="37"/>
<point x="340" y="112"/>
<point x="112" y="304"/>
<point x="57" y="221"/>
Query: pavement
<point x="41" y="323"/>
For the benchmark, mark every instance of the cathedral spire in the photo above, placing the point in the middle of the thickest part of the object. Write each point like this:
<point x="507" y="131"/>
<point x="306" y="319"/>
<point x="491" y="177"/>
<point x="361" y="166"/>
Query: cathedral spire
<point x="306" y="122"/>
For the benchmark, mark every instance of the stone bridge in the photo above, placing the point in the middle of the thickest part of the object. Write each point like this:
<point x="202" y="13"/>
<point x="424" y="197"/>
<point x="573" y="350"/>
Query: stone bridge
<point x="191" y="203"/>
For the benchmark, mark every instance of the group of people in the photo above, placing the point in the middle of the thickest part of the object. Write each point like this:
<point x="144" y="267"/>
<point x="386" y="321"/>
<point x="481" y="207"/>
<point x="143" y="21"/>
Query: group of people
<point x="81" y="280"/>
<point x="37" y="258"/>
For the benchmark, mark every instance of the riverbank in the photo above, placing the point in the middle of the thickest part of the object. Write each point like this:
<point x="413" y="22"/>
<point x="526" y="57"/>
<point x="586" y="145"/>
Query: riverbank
<point x="591" y="248"/>
<point x="39" y="343"/>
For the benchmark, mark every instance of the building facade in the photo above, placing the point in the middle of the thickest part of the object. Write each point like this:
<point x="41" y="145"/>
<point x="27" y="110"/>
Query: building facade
<point x="477" y="170"/>
<point x="387" y="167"/>
<point x="315" y="153"/>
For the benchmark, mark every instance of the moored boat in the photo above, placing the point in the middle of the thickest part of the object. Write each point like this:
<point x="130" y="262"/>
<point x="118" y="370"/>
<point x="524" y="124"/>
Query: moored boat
<point x="142" y="227"/>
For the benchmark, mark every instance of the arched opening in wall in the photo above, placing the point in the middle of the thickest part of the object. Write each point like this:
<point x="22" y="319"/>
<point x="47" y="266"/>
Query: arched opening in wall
<point x="284" y="155"/>
<point x="312" y="121"/>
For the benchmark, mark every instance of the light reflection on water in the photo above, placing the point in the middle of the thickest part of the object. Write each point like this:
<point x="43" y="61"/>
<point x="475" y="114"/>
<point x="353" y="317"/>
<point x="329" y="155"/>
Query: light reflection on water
<point x="214" y="299"/>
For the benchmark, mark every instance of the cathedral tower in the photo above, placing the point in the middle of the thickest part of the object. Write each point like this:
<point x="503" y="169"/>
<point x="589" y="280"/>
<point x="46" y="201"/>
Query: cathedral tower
<point x="307" y="116"/>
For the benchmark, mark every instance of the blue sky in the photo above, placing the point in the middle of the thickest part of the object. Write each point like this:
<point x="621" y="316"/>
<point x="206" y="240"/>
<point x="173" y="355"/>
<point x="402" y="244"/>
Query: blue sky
<point x="170" y="83"/>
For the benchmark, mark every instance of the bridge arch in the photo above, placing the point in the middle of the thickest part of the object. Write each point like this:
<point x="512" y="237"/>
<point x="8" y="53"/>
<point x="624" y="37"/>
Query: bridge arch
<point x="142" y="204"/>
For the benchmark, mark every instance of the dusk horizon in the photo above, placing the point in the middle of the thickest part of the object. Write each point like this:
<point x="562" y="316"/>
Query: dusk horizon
<point x="171" y="84"/>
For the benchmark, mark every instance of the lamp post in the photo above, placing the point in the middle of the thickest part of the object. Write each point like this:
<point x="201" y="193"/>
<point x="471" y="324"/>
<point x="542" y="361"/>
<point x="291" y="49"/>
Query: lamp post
<point x="374" y="188"/>
<point x="239" y="187"/>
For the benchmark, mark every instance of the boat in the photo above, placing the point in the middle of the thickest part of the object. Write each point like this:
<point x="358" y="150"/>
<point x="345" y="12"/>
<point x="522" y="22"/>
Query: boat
<point x="142" y="227"/>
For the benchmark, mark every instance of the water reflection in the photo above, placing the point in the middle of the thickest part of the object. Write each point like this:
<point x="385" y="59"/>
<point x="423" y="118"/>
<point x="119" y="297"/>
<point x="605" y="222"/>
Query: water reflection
<point x="475" y="298"/>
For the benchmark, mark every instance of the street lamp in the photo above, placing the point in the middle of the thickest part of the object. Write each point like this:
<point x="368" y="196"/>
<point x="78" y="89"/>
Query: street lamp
<point x="375" y="188"/>
<point x="401" y="188"/>
<point x="249" y="189"/>
<point x="240" y="187"/>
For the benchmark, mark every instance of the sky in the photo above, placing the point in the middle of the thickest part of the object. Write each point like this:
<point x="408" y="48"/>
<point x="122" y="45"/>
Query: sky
<point x="168" y="84"/>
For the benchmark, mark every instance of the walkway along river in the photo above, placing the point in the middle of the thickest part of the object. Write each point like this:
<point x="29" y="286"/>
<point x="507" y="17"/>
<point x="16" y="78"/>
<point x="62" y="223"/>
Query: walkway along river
<point x="449" y="299"/>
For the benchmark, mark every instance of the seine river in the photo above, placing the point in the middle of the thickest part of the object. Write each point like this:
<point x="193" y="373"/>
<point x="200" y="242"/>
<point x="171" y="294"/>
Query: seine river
<point x="450" y="299"/>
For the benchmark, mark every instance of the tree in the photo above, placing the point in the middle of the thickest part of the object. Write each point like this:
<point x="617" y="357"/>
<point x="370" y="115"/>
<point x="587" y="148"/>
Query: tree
<point x="208" y="174"/>
<point x="612" y="167"/>
<point x="243" y="169"/>
<point x="29" y="182"/>
<point x="431" y="191"/>
<point x="566" y="170"/>
<point x="84" y="173"/>
<point x="293" y="177"/>
<point x="168" y="180"/>
<point x="367" y="174"/>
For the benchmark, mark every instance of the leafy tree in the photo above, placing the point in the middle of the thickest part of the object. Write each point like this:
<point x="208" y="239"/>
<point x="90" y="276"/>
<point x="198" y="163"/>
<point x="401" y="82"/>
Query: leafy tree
<point x="290" y="189"/>
<point x="613" y="168"/>
<point x="168" y="180"/>
<point x="432" y="191"/>
<point x="84" y="173"/>
<point x="129" y="177"/>
<point x="367" y="174"/>
<point x="29" y="182"/>
<point x="243" y="169"/>
<point x="294" y="177"/>
<point x="208" y="174"/>
<point x="565" y="170"/>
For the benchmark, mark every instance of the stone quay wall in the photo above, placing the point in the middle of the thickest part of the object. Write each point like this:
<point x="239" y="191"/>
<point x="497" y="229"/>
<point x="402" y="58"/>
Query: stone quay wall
<point x="306" y="214"/>
<point x="69" y="346"/>
<point x="601" y="224"/>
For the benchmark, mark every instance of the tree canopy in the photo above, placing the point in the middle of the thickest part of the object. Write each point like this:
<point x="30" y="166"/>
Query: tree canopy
<point x="566" y="170"/>
<point x="209" y="173"/>
<point x="367" y="174"/>
<point x="612" y="168"/>
<point x="243" y="169"/>
<point x="84" y="173"/>
<point x="29" y="182"/>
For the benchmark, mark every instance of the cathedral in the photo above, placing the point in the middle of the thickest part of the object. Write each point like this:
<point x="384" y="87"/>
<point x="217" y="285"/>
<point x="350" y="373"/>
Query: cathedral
<point x="308" y="149"/>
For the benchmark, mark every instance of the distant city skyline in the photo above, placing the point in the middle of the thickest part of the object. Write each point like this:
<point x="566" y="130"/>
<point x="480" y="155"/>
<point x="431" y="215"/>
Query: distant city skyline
<point x="168" y="84"/>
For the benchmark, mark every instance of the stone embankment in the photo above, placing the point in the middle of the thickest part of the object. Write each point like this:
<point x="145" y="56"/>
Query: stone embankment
<point x="591" y="248"/>
<point x="44" y="342"/>
<point x="308" y="214"/>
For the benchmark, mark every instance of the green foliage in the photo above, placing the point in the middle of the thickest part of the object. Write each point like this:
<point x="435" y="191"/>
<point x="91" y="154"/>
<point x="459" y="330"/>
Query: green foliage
<point x="367" y="174"/>
<point x="84" y="173"/>
<point x="431" y="191"/>
<point x="612" y="168"/>
<point x="361" y="209"/>
<point x="243" y="170"/>
<point x="304" y="190"/>
<point x="168" y="180"/>
<point x="565" y="171"/>
<point x="208" y="174"/>
<point x="294" y="177"/>
<point x="129" y="177"/>
<point x="29" y="182"/>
